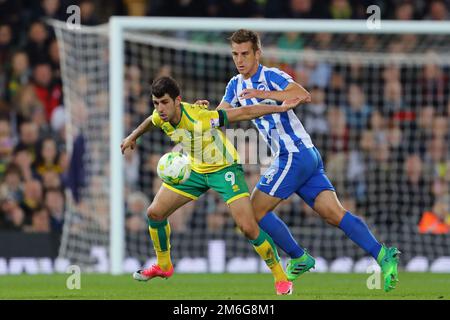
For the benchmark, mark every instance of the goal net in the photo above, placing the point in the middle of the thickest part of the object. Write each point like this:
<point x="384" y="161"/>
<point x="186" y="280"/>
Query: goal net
<point x="379" y="116"/>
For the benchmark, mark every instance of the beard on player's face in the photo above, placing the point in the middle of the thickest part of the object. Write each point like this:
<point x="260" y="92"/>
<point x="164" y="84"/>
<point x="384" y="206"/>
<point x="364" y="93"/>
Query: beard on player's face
<point x="166" y="107"/>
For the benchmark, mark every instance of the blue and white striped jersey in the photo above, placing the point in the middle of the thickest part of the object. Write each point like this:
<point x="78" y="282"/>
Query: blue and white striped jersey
<point x="283" y="132"/>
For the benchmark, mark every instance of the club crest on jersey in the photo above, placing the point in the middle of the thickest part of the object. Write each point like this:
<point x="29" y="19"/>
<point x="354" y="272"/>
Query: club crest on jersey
<point x="262" y="87"/>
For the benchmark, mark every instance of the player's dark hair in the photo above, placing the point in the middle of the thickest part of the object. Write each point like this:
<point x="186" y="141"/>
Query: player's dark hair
<point x="244" y="35"/>
<point x="163" y="85"/>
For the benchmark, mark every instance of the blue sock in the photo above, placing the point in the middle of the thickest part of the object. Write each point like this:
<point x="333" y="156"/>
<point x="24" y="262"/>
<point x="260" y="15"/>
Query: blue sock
<point x="355" y="228"/>
<point x="278" y="230"/>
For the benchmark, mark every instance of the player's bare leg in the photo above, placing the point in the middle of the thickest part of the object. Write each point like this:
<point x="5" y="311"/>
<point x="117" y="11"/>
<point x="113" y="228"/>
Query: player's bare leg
<point x="298" y="264"/>
<point x="163" y="205"/>
<point x="242" y="212"/>
<point x="263" y="203"/>
<point x="328" y="206"/>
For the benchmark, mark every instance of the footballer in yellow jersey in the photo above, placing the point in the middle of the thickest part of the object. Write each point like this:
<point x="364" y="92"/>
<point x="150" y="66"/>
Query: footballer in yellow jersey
<point x="214" y="165"/>
<point x="208" y="148"/>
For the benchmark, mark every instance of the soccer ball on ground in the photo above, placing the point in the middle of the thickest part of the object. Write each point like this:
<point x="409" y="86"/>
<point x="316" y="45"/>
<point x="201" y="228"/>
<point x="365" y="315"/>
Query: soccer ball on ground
<point x="174" y="168"/>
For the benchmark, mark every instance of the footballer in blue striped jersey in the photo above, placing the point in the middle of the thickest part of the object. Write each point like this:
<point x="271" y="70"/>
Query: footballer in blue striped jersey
<point x="297" y="167"/>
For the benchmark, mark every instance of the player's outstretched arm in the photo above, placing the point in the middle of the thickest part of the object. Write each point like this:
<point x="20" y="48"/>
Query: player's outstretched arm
<point x="221" y="106"/>
<point x="259" y="110"/>
<point x="130" y="141"/>
<point x="292" y="91"/>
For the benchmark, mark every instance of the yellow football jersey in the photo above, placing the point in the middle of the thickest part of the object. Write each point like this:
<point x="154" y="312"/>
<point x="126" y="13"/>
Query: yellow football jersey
<point x="208" y="148"/>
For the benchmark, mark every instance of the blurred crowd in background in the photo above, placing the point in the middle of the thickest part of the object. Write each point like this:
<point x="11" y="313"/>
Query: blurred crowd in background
<point x="93" y="12"/>
<point x="347" y="123"/>
<point x="382" y="130"/>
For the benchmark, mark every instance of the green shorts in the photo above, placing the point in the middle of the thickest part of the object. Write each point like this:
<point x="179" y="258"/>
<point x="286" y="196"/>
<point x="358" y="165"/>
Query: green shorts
<point x="229" y="182"/>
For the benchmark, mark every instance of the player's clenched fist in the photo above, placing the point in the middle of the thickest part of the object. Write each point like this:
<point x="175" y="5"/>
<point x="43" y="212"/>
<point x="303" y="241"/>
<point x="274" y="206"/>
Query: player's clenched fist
<point x="128" y="142"/>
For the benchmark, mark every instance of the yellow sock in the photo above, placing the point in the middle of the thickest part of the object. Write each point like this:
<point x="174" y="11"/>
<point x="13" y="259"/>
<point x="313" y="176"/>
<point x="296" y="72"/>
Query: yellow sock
<point x="160" y="234"/>
<point x="278" y="272"/>
<point x="163" y="260"/>
<point x="265" y="247"/>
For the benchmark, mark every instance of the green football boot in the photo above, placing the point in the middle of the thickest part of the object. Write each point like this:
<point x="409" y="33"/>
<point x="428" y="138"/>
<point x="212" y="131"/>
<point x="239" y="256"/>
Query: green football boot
<point x="388" y="259"/>
<point x="298" y="266"/>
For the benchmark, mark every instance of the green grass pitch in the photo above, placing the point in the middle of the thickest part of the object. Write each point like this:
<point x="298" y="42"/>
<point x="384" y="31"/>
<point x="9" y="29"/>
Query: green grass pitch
<point x="314" y="286"/>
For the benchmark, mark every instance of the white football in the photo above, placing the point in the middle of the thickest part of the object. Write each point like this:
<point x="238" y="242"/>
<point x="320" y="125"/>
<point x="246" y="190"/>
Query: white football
<point x="174" y="168"/>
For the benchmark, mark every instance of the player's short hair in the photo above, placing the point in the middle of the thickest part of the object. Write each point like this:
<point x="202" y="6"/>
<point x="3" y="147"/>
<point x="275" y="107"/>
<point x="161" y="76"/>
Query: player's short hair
<point x="245" y="35"/>
<point x="163" y="85"/>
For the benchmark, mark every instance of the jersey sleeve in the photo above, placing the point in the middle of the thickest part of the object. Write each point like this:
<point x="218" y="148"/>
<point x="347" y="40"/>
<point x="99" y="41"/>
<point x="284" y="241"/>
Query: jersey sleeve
<point x="156" y="119"/>
<point x="279" y="79"/>
<point x="211" y="119"/>
<point x="231" y="93"/>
